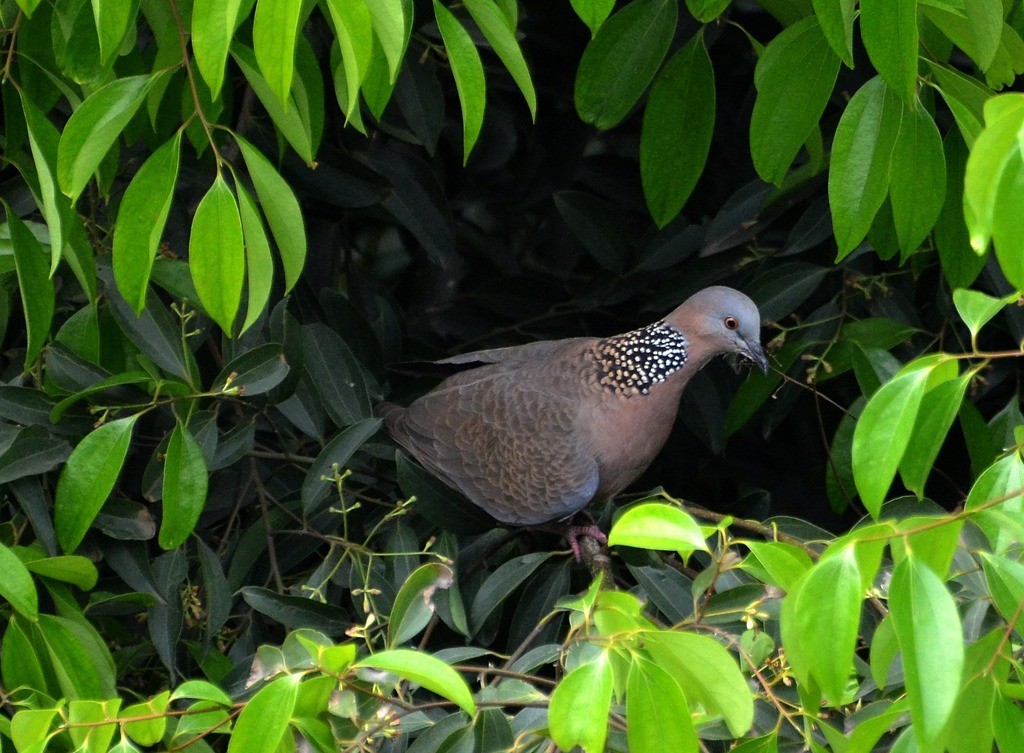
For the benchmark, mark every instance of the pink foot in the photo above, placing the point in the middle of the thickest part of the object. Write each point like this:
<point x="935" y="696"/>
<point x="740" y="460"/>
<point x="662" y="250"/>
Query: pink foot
<point x="575" y="532"/>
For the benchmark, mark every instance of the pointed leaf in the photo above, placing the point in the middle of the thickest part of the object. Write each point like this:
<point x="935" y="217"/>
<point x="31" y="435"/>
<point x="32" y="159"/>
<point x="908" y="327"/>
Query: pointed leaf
<point x="141" y="220"/>
<point x="917" y="182"/>
<point x="355" y="38"/>
<point x="213" y="25"/>
<point x="34" y="284"/>
<point x="621" y="60"/>
<point x="889" y="30"/>
<point x="259" y="264"/>
<point x="927" y="625"/>
<point x="274" y="29"/>
<point x="836" y="19"/>
<point x="263" y="722"/>
<point x="17" y="586"/>
<point x="93" y="127"/>
<point x="216" y="254"/>
<point x="184" y="489"/>
<point x="655" y="525"/>
<point x="657" y="715"/>
<point x="672" y="160"/>
<point x="578" y="714"/>
<point x="87" y="479"/>
<point x="492" y="22"/>
<point x="469" y="75"/>
<point x="426" y="670"/>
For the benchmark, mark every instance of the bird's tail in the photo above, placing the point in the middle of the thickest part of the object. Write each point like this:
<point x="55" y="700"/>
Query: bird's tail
<point x="392" y="415"/>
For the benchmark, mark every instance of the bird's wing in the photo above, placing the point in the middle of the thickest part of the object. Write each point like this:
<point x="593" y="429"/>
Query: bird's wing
<point x="510" y="446"/>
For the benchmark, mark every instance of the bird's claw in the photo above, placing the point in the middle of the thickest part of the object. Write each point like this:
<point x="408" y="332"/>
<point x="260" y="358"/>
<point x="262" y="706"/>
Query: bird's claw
<point x="576" y="532"/>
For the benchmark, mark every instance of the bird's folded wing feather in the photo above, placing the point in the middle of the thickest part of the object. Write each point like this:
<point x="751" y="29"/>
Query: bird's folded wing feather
<point x="511" y="446"/>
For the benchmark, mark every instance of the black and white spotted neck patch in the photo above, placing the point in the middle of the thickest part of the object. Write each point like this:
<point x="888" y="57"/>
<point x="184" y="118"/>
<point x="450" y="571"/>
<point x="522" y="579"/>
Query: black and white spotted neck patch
<point x="633" y="362"/>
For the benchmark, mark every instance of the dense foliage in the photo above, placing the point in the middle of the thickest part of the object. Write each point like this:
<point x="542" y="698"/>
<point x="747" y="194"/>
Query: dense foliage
<point x="222" y="221"/>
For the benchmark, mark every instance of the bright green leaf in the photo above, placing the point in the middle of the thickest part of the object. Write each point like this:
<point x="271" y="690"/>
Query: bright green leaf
<point x="657" y="715"/>
<point x="44" y="139"/>
<point x="93" y="128"/>
<point x="883" y="433"/>
<point x="259" y="264"/>
<point x="938" y="410"/>
<point x="263" y="722"/>
<point x="656" y="525"/>
<point x="113" y="18"/>
<point x="389" y="24"/>
<point x="87" y="479"/>
<point x="281" y="209"/>
<point x="355" y="38"/>
<point x="489" y="17"/>
<point x="274" y="29"/>
<point x="1007" y="229"/>
<point x="578" y="714"/>
<point x="927" y="625"/>
<point x="999" y="487"/>
<point x="426" y="670"/>
<point x="216" y="254"/>
<point x="213" y="25"/>
<point x="706" y="11"/>
<point x="977" y="309"/>
<point x="141" y="220"/>
<point x="469" y="75"/>
<point x="16" y="585"/>
<point x="822" y="618"/>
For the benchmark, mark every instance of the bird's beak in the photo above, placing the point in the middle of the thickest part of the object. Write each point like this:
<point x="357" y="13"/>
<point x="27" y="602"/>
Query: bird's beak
<point x="756" y="354"/>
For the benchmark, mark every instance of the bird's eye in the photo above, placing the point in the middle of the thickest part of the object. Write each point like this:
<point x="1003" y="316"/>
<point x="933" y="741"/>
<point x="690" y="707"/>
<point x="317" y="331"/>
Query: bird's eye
<point x="731" y="323"/>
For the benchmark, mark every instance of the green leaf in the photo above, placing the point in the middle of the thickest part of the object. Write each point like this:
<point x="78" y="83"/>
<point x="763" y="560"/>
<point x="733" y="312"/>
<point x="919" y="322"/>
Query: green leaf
<point x="820" y="620"/>
<point x="17" y="586"/>
<point x="34" y="284"/>
<point x="500" y="584"/>
<point x="707" y="673"/>
<point x="286" y="116"/>
<point x="858" y="178"/>
<point x="274" y="29"/>
<point x="593" y="12"/>
<point x="917" y="181"/>
<point x="113" y="18"/>
<point x="389" y="24"/>
<point x="1007" y="230"/>
<point x="794" y="79"/>
<point x="254" y="372"/>
<point x="263" y="722"/>
<point x="578" y="714"/>
<point x="657" y="715"/>
<point x="414" y="605"/>
<point x="216" y="255"/>
<point x="86" y="732"/>
<point x="977" y="309"/>
<point x="889" y="30"/>
<point x="213" y="25"/>
<point x="656" y="525"/>
<point x="776" y="562"/>
<point x="672" y="160"/>
<point x="147" y="731"/>
<point x="927" y="625"/>
<point x="141" y="219"/>
<point x="469" y="75"/>
<point x="492" y="22"/>
<point x="621" y="60"/>
<point x="184" y="490"/>
<point x="992" y="151"/>
<point x="883" y="433"/>
<point x="259" y="264"/>
<point x="44" y="139"/>
<point x="975" y="26"/>
<point x="355" y="38"/>
<point x="94" y="126"/>
<point x="1005" y="579"/>
<point x="836" y="19"/>
<point x="999" y="487"/>
<point x="706" y="11"/>
<point x="426" y="670"/>
<point x="965" y="96"/>
<point x="87" y="479"/>
<point x="960" y="265"/>
<point x="281" y="209"/>
<point x="78" y="571"/>
<point x="939" y="408"/>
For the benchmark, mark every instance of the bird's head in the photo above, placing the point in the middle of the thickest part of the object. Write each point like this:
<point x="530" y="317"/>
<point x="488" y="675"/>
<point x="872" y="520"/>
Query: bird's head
<point x="725" y="320"/>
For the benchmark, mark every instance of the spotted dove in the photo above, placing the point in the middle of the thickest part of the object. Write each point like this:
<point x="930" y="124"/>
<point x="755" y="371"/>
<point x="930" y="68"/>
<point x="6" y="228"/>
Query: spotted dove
<point x="533" y="433"/>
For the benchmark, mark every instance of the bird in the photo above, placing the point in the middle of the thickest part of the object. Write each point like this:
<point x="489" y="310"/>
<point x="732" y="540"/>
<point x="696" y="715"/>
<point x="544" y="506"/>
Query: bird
<point x="534" y="433"/>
